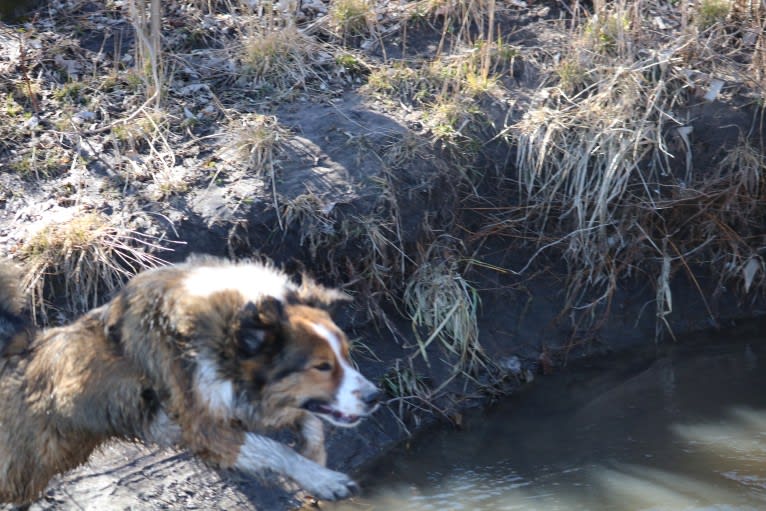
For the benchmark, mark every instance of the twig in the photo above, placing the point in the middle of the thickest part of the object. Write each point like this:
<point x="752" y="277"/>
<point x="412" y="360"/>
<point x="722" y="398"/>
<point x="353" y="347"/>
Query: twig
<point x="25" y="75"/>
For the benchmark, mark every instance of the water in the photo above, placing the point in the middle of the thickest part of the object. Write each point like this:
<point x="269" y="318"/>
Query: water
<point x="686" y="431"/>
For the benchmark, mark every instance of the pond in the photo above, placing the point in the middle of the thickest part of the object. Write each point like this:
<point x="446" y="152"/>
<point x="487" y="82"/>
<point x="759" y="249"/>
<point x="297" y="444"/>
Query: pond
<point x="682" y="430"/>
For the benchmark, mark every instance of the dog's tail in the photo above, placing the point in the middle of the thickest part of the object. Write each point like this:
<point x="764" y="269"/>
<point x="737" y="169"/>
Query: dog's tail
<point x="15" y="330"/>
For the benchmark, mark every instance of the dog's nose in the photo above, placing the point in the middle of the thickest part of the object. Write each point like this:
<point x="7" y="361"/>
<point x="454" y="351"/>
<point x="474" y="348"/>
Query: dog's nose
<point x="372" y="397"/>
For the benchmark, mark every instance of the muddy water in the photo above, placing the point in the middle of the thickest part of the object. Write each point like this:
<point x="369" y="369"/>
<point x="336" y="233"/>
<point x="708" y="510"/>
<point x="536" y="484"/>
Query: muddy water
<point x="686" y="431"/>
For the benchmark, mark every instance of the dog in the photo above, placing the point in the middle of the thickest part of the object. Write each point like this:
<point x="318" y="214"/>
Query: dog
<point x="207" y="355"/>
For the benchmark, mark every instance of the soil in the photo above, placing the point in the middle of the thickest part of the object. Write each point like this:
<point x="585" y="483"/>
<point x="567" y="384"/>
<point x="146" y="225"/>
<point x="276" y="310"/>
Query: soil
<point x="337" y="150"/>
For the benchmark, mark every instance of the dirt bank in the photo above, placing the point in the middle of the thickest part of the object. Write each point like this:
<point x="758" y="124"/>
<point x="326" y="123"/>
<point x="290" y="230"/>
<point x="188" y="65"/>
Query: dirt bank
<point x="500" y="186"/>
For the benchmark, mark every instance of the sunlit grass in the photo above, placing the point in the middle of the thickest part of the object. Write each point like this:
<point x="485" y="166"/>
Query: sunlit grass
<point x="87" y="257"/>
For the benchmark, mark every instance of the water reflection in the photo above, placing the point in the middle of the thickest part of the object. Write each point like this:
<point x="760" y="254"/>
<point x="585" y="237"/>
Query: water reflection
<point x="685" y="432"/>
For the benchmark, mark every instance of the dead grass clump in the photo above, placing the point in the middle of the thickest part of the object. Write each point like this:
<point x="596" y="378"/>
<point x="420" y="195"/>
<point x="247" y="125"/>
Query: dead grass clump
<point x="410" y="392"/>
<point x="607" y="30"/>
<point x="477" y="59"/>
<point x="731" y="203"/>
<point x="462" y="18"/>
<point x="257" y="138"/>
<point x="439" y="299"/>
<point x="383" y="262"/>
<point x="442" y="79"/>
<point x="467" y="24"/>
<point x="578" y="164"/>
<point x="458" y="126"/>
<point x="141" y="134"/>
<point x="281" y="59"/>
<point x="352" y="18"/>
<point x="256" y="142"/>
<point x="40" y="162"/>
<point x="445" y="94"/>
<point x="477" y="71"/>
<point x="709" y="12"/>
<point x="403" y="82"/>
<point x="605" y="161"/>
<point x="168" y="181"/>
<point x="316" y="225"/>
<point x="82" y="260"/>
<point x="365" y="248"/>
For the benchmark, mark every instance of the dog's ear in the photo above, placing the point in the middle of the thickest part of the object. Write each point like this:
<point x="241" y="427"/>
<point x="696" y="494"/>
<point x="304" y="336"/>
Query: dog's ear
<point x="112" y="316"/>
<point x="312" y="294"/>
<point x="260" y="326"/>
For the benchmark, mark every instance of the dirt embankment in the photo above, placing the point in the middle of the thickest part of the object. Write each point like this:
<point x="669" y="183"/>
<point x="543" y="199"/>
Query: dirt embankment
<point x="502" y="186"/>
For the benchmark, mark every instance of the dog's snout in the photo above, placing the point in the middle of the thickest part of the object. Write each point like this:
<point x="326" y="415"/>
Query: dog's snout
<point x="372" y="397"/>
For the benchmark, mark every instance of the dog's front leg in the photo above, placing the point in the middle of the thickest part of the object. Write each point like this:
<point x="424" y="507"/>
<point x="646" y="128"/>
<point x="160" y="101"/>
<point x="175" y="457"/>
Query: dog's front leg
<point x="312" y="439"/>
<point x="258" y="453"/>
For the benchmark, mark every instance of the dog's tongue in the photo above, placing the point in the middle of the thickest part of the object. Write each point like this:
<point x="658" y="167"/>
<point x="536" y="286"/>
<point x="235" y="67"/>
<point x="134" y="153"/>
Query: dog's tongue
<point x="325" y="409"/>
<point x="345" y="418"/>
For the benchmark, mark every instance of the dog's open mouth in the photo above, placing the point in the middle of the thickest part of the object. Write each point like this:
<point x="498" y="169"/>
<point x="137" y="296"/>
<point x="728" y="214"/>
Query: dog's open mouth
<point x="332" y="414"/>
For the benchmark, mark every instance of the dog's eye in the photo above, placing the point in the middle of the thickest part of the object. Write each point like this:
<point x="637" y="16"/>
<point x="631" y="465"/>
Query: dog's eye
<point x="324" y="366"/>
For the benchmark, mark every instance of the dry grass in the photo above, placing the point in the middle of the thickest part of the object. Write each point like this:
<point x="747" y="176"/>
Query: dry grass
<point x="439" y="299"/>
<point x="351" y="18"/>
<point x="445" y="93"/>
<point x="147" y="22"/>
<point x="606" y="166"/>
<point x="410" y="393"/>
<point x="316" y="225"/>
<point x="711" y="12"/>
<point x="257" y="141"/>
<point x="365" y="250"/>
<point x="458" y="126"/>
<point x="257" y="138"/>
<point x="461" y="75"/>
<point x="608" y="182"/>
<point x="403" y="82"/>
<point x="41" y="162"/>
<point x="142" y="133"/>
<point x="451" y="90"/>
<point x="82" y="261"/>
<point x="278" y="60"/>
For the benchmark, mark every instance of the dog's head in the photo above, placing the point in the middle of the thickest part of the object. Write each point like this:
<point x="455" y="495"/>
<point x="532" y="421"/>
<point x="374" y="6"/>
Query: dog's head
<point x="299" y="358"/>
<point x="279" y="347"/>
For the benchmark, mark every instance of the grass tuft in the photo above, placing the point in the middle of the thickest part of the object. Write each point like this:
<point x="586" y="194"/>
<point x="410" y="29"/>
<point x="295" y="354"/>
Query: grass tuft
<point x="607" y="175"/>
<point x="277" y="61"/>
<point x="710" y="12"/>
<point x="256" y="140"/>
<point x="352" y="18"/>
<point x="83" y="260"/>
<point x="439" y="299"/>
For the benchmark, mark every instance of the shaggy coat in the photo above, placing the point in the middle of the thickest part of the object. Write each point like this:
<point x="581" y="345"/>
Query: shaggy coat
<point x="207" y="355"/>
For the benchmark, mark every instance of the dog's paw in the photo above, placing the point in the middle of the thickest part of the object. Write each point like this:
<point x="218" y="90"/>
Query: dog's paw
<point x="330" y="485"/>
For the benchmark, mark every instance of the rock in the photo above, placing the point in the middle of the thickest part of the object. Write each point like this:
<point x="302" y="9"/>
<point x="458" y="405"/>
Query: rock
<point x="511" y="364"/>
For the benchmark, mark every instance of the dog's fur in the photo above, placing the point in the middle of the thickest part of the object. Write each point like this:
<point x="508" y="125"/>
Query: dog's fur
<point x="207" y="355"/>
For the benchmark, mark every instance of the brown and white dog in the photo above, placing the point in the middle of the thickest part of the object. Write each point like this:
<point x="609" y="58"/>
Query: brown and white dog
<point x="207" y="355"/>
